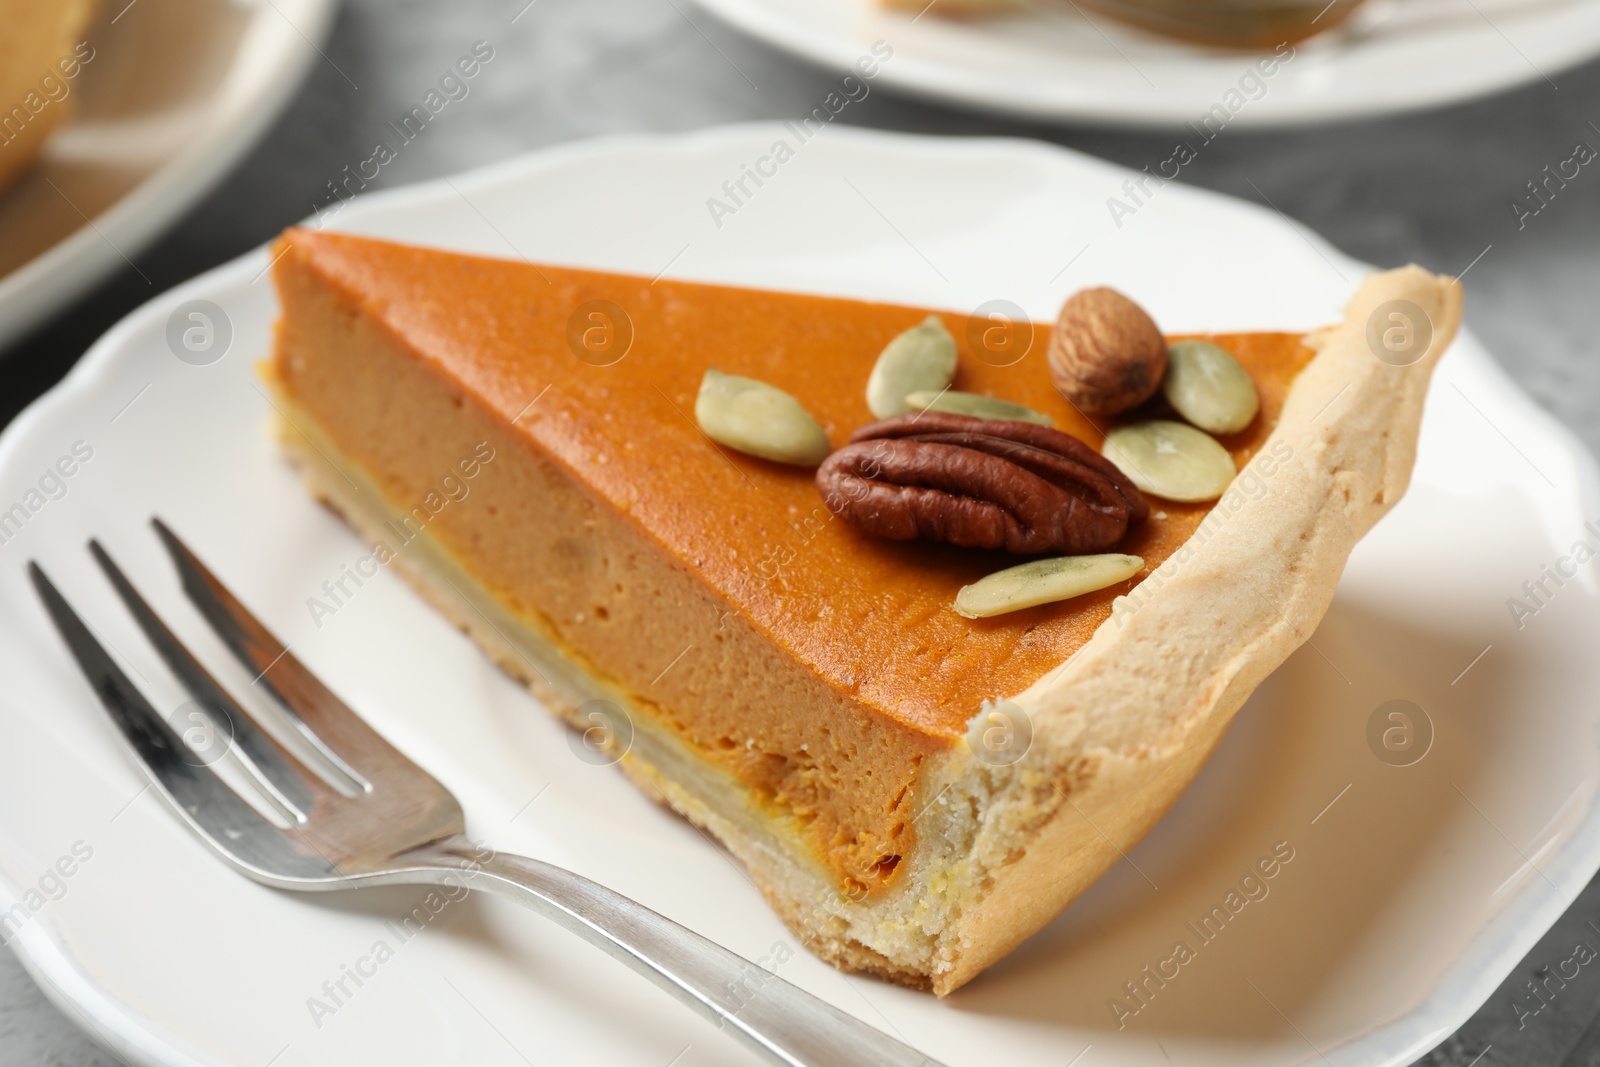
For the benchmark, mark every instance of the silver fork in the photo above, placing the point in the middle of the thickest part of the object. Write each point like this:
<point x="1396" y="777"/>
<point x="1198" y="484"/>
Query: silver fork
<point x="373" y="817"/>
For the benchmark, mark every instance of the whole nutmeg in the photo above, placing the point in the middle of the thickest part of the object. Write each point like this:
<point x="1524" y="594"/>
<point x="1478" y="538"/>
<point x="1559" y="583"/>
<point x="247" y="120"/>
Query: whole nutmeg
<point x="1106" y="354"/>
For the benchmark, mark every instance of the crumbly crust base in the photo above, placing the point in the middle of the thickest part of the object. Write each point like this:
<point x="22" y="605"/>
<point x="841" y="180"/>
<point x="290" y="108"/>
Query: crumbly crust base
<point x="1118" y="731"/>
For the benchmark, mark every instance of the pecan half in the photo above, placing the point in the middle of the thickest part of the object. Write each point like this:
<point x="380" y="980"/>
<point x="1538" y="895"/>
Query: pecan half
<point x="979" y="483"/>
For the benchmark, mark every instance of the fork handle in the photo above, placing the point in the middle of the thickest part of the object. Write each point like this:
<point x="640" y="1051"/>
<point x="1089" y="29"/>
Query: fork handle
<point x="781" y="1021"/>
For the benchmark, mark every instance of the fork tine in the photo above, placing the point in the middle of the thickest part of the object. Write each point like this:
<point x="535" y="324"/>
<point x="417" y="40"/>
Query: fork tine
<point x="210" y="807"/>
<point x="325" y="720"/>
<point x="276" y="771"/>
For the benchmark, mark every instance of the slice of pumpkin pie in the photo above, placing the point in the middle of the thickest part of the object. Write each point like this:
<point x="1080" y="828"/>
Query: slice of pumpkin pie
<point x="41" y="51"/>
<point x="612" y="485"/>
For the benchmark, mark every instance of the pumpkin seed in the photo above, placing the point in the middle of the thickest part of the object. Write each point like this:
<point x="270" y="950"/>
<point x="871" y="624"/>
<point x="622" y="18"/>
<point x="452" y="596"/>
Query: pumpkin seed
<point x="1171" y="460"/>
<point x="1044" y="581"/>
<point x="759" y="419"/>
<point x="982" y="407"/>
<point x="923" y="359"/>
<point x="1209" y="387"/>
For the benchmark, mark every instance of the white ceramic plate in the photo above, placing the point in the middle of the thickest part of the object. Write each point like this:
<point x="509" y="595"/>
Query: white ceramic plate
<point x="1407" y="900"/>
<point x="176" y="93"/>
<point x="1054" y="60"/>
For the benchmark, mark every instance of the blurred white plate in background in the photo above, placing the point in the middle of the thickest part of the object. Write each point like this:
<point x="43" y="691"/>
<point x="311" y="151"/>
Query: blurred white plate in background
<point x="177" y="92"/>
<point x="1055" y="60"/>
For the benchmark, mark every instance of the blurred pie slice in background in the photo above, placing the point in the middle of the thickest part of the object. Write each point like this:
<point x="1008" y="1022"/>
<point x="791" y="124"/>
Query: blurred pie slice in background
<point x="42" y="47"/>
<point x="1227" y="23"/>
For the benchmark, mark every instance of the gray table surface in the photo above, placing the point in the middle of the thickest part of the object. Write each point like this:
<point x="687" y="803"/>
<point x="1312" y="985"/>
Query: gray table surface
<point x="1432" y="188"/>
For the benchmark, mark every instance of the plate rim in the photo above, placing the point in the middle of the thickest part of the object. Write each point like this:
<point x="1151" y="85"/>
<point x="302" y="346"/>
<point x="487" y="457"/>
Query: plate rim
<point x="1465" y="984"/>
